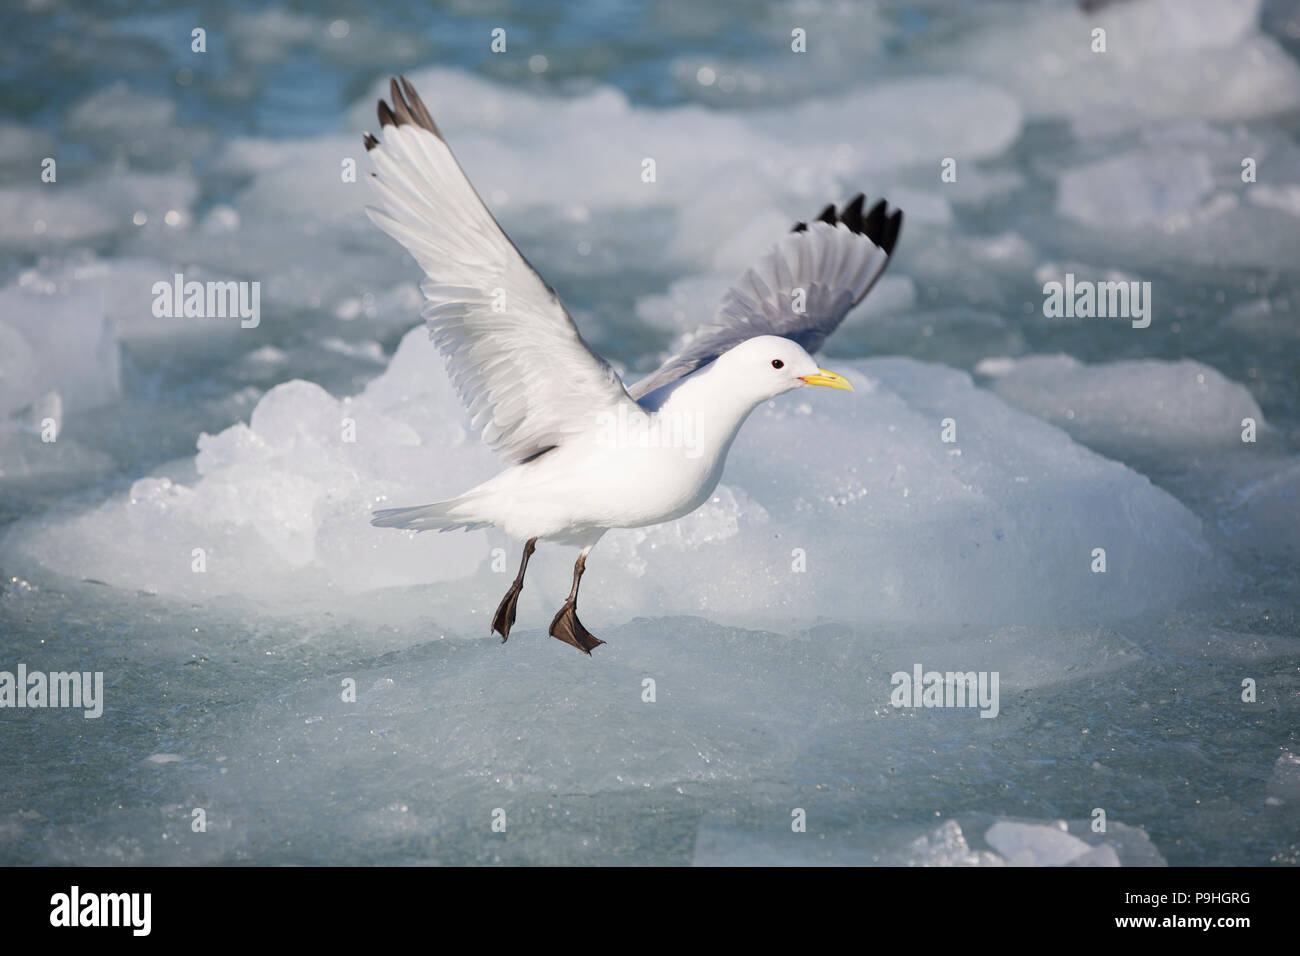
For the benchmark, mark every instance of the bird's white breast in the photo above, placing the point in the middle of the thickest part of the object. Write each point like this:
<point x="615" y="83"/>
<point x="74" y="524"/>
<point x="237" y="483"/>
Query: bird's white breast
<point x="637" y="467"/>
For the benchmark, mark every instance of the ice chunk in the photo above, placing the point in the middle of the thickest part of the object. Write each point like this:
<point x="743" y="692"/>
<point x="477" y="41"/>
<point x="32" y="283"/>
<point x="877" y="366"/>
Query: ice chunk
<point x="1182" y="423"/>
<point x="719" y="844"/>
<point x="24" y="455"/>
<point x="125" y="287"/>
<point x="689" y="303"/>
<point x="1006" y="502"/>
<point x="1016" y="842"/>
<point x="1266" y="513"/>
<point x="1104" y="855"/>
<point x="1262" y="319"/>
<point x="866" y="515"/>
<point x="1032" y="844"/>
<point x="117" y="113"/>
<point x="268" y="36"/>
<point x="525" y="149"/>
<point x="529" y="153"/>
<point x="1284" y="784"/>
<point x="1162" y="59"/>
<point x="1285" y="197"/>
<point x="287" y="496"/>
<point x="56" y="342"/>
<point x="1021" y="842"/>
<point x="39" y="217"/>
<point x="946" y="846"/>
<point x="1134" y="410"/>
<point x="1135" y="189"/>
<point x="22" y="149"/>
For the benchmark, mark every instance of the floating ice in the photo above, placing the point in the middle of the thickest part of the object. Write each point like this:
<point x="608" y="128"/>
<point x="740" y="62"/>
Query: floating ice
<point x="1133" y="410"/>
<point x="1266" y="513"/>
<point x="1162" y="59"/>
<point x="1183" y="423"/>
<point x="1035" y="844"/>
<point x="865" y="515"/>
<point x="117" y="113"/>
<point x="121" y="204"/>
<point x="22" y="148"/>
<point x="523" y="149"/>
<point x="124" y="288"/>
<point x="1284" y="784"/>
<point x="56" y="342"/>
<point x="1136" y="189"/>
<point x="1017" y="843"/>
<point x="24" y="454"/>
<point x="946" y="846"/>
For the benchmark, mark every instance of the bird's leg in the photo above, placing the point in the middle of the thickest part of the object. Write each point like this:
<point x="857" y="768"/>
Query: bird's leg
<point x="566" y="625"/>
<point x="504" y="618"/>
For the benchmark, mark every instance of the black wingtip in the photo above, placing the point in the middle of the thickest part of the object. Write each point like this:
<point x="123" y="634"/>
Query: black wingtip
<point x="852" y="214"/>
<point x="370" y="142"/>
<point x="883" y="227"/>
<point x="407" y="107"/>
<point x="878" y="225"/>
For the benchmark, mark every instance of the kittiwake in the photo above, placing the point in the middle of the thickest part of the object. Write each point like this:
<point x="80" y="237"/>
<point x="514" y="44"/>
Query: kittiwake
<point x="552" y="407"/>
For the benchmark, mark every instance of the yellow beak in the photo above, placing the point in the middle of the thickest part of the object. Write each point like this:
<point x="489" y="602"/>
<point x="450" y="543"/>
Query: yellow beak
<point x="827" y="378"/>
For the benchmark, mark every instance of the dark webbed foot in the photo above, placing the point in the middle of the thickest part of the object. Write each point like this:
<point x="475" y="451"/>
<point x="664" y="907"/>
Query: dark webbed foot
<point x="566" y="627"/>
<point x="504" y="619"/>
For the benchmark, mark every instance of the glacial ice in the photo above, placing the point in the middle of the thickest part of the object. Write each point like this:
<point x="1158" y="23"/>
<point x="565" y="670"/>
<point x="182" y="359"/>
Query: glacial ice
<point x="1266" y="512"/>
<point x="1136" y="190"/>
<point x="61" y="343"/>
<point x="1135" y="410"/>
<point x="996" y="528"/>
<point x="1164" y="59"/>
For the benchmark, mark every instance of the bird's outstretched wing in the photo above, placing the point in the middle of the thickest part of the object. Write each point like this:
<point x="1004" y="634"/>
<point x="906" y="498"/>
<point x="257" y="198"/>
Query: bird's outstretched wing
<point x="512" y="351"/>
<point x="801" y="290"/>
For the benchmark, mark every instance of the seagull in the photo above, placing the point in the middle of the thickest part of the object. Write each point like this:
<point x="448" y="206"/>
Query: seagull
<point x="587" y="453"/>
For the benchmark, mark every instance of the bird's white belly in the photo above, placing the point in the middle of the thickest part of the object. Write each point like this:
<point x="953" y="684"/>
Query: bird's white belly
<point x="580" y="490"/>
<point x="654" y="485"/>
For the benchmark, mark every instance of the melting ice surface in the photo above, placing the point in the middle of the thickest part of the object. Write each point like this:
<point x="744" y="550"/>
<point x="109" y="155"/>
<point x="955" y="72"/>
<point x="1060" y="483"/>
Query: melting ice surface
<point x="199" y="530"/>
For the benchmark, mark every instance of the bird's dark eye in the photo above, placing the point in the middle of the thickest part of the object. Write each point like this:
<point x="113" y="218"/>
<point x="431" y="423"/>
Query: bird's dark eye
<point x="777" y="363"/>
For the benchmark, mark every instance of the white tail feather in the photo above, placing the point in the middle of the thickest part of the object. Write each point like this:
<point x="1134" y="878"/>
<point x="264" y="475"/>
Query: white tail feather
<point x="439" y="516"/>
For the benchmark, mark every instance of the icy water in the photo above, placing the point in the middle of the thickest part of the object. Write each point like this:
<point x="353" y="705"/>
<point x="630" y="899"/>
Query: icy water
<point x="326" y="692"/>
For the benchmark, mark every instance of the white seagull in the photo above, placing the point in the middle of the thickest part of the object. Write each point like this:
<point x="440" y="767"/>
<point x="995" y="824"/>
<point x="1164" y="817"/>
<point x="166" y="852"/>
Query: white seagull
<point x="547" y="403"/>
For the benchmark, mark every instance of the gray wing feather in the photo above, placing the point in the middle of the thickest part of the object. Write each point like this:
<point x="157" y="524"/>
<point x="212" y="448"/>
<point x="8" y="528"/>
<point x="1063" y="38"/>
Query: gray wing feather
<point x="834" y="261"/>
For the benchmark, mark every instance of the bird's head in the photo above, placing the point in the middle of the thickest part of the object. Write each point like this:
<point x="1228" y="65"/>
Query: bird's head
<point x="768" y="365"/>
